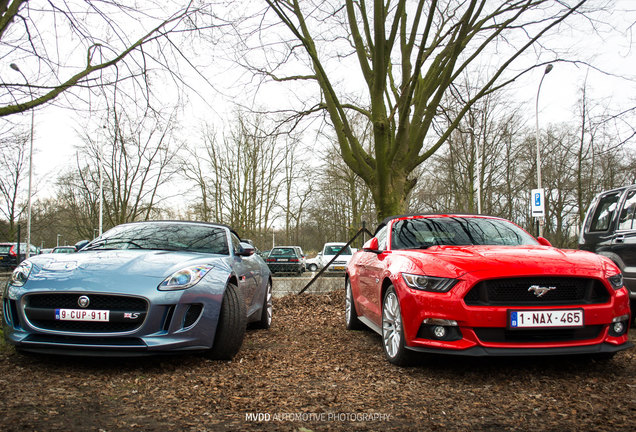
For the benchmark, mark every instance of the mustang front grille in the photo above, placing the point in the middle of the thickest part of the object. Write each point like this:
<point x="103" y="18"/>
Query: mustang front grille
<point x="125" y="313"/>
<point x="537" y="291"/>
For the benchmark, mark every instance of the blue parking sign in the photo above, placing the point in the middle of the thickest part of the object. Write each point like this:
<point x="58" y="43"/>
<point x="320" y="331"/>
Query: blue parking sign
<point x="537" y="202"/>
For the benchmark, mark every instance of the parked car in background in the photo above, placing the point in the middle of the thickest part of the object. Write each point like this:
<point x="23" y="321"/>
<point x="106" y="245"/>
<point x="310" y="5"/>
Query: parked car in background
<point x="329" y="250"/>
<point x="482" y="286"/>
<point x="313" y="264"/>
<point x="141" y="288"/>
<point x="609" y="229"/>
<point x="64" y="249"/>
<point x="9" y="254"/>
<point x="285" y="259"/>
<point x="303" y="258"/>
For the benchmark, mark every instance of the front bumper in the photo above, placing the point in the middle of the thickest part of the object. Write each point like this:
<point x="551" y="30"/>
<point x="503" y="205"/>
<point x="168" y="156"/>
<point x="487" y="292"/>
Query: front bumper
<point x="173" y="321"/>
<point x="479" y="351"/>
<point x="285" y="267"/>
<point x="483" y="330"/>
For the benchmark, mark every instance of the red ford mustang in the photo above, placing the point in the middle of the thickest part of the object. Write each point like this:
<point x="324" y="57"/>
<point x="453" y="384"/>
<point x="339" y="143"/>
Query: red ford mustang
<point x="482" y="286"/>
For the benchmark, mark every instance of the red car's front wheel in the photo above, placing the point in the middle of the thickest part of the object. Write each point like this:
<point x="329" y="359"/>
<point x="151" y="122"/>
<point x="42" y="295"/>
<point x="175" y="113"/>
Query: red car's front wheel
<point x="393" y="331"/>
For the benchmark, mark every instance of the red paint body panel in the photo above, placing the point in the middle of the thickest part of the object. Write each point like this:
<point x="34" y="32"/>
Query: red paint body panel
<point x="371" y="271"/>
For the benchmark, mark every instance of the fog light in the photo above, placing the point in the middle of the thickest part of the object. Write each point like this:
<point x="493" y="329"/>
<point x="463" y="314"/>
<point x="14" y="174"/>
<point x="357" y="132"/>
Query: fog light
<point x="618" y="328"/>
<point x="439" y="332"/>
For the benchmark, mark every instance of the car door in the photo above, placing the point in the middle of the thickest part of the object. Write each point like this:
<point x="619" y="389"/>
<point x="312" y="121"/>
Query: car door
<point x="624" y="238"/>
<point x="600" y="223"/>
<point x="371" y="270"/>
<point x="247" y="270"/>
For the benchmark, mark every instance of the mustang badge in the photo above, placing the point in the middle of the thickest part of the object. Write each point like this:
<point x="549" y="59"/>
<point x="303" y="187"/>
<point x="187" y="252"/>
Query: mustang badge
<point x="539" y="290"/>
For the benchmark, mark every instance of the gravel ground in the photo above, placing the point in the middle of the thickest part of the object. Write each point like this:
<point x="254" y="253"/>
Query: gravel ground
<point x="307" y="373"/>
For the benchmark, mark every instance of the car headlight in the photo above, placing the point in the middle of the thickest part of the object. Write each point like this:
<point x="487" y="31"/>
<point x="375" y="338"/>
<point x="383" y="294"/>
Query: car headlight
<point x="616" y="281"/>
<point x="21" y="274"/>
<point x="184" y="278"/>
<point x="428" y="283"/>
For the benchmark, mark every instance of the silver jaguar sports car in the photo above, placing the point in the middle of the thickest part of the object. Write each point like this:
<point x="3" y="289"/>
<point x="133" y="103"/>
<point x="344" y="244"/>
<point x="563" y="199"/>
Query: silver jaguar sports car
<point x="141" y="288"/>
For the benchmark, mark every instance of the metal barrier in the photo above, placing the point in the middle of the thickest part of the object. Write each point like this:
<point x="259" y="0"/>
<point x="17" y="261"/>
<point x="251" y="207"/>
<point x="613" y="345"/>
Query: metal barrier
<point x="362" y="230"/>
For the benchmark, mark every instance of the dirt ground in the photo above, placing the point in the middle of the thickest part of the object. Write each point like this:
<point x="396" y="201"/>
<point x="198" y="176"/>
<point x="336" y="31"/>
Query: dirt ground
<point x="307" y="373"/>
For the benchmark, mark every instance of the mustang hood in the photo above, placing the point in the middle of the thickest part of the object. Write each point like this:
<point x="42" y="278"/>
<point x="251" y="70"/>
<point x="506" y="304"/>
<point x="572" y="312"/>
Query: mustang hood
<point x="509" y="261"/>
<point x="112" y="269"/>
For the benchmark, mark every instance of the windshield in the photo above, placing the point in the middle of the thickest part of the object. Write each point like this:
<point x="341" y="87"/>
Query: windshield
<point x="457" y="231"/>
<point x="164" y="236"/>
<point x="283" y="253"/>
<point x="334" y="249"/>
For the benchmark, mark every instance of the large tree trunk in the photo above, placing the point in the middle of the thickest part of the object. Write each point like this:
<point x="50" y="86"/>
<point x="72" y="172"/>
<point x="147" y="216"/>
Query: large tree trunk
<point x="390" y="191"/>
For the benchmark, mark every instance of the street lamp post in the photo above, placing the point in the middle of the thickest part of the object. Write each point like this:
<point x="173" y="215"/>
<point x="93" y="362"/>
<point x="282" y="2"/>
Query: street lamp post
<point x="478" y="168"/>
<point x="28" y="247"/>
<point x="547" y="70"/>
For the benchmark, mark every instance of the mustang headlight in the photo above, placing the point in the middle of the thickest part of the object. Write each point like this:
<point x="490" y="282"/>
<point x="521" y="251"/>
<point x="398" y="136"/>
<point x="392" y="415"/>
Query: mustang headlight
<point x="428" y="283"/>
<point x="184" y="278"/>
<point x="21" y="274"/>
<point x="616" y="281"/>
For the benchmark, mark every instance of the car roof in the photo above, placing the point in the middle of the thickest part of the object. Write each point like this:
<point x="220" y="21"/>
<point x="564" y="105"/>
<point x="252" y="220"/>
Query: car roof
<point x="618" y="189"/>
<point x="386" y="221"/>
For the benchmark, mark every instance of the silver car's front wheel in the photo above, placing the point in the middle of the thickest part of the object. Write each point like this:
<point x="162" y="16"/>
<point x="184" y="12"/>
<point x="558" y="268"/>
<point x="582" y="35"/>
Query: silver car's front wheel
<point x="266" y="313"/>
<point x="392" y="330"/>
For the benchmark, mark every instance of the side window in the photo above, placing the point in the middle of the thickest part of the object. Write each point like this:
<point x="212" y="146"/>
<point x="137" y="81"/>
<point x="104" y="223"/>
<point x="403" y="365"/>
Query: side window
<point x="381" y="236"/>
<point x="628" y="213"/>
<point x="236" y="243"/>
<point x="604" y="213"/>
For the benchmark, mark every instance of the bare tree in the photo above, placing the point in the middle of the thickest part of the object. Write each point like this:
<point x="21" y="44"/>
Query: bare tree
<point x="14" y="152"/>
<point x="239" y="176"/>
<point x="409" y="55"/>
<point x="135" y="157"/>
<point x="72" y="44"/>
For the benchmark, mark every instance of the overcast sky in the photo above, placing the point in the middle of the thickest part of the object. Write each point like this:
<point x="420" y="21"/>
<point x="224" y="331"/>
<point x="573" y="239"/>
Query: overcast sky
<point x="613" y="51"/>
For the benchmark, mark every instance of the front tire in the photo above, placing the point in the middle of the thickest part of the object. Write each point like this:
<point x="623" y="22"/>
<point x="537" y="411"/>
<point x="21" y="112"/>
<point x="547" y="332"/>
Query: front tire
<point x="351" y="316"/>
<point x="393" y="331"/>
<point x="230" y="329"/>
<point x="312" y="267"/>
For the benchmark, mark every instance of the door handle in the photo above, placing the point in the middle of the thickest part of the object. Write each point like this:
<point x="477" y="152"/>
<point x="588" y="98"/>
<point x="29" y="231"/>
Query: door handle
<point x="620" y="239"/>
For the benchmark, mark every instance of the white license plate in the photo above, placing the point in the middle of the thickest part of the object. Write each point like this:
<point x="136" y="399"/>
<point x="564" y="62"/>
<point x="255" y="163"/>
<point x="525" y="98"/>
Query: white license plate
<point x="282" y="260"/>
<point x="546" y="318"/>
<point x="82" y="315"/>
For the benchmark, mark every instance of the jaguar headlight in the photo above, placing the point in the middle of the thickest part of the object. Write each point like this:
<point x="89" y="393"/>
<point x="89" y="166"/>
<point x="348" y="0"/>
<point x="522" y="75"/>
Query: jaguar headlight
<point x="429" y="283"/>
<point x="616" y="281"/>
<point x="21" y="274"/>
<point x="184" y="278"/>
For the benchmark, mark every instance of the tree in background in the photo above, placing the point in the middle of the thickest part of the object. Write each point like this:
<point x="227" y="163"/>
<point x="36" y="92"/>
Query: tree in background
<point x="135" y="157"/>
<point x="239" y="176"/>
<point x="409" y="56"/>
<point x="578" y="162"/>
<point x="68" y="44"/>
<point x="14" y="164"/>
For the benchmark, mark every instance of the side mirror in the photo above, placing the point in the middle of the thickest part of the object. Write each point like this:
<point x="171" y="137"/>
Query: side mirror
<point x="543" y="241"/>
<point x="246" y="250"/>
<point x="80" y="244"/>
<point x="371" y="245"/>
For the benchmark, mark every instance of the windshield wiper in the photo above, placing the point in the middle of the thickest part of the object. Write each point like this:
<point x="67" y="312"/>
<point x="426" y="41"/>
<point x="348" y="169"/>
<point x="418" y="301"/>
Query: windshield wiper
<point x="94" y="245"/>
<point x="104" y="242"/>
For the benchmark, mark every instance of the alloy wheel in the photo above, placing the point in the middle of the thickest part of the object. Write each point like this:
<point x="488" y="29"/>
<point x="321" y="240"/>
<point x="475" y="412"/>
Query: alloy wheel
<point x="391" y="325"/>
